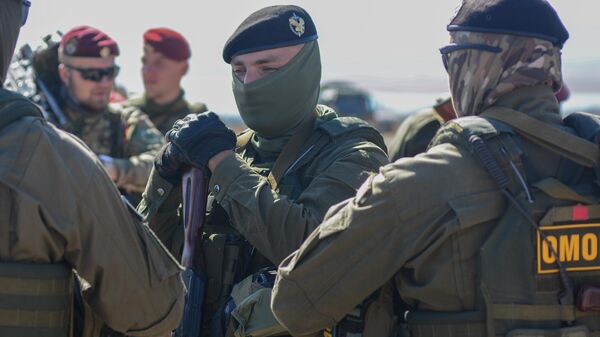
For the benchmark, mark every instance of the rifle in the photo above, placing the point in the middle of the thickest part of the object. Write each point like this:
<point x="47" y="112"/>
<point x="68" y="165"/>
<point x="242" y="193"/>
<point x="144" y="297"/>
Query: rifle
<point x="24" y="78"/>
<point x="195" y="190"/>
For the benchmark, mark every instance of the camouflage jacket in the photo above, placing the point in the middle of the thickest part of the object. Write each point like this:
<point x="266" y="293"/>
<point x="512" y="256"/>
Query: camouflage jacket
<point x="164" y="116"/>
<point x="125" y="134"/>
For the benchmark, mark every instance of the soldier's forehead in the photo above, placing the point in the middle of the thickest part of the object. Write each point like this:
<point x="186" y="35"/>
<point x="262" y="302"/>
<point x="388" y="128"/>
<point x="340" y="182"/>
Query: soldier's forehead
<point x="91" y="62"/>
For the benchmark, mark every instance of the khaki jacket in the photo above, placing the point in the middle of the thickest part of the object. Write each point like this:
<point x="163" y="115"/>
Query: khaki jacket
<point x="414" y="134"/>
<point x="57" y="204"/>
<point x="419" y="223"/>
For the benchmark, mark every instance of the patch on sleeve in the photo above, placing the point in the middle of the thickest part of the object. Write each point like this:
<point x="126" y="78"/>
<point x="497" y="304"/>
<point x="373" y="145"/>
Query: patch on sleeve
<point x="576" y="246"/>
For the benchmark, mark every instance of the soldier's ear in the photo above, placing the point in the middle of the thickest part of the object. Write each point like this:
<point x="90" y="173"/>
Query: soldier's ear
<point x="185" y="69"/>
<point x="63" y="73"/>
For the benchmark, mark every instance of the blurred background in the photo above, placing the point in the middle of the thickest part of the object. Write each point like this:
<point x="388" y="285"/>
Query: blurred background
<point x="381" y="56"/>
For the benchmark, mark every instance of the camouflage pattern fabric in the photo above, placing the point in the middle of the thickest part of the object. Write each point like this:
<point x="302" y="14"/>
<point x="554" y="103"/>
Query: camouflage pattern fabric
<point x="478" y="78"/>
<point x="127" y="135"/>
<point x="165" y="115"/>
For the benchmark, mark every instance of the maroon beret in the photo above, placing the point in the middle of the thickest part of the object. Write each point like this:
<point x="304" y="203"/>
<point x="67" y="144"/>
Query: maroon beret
<point x="85" y="41"/>
<point x="168" y="42"/>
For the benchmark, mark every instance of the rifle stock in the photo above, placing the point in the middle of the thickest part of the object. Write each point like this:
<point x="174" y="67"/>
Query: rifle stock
<point x="195" y="190"/>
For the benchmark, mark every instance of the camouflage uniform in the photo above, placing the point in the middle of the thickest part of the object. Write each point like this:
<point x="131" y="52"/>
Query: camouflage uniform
<point x="125" y="134"/>
<point x="164" y="116"/>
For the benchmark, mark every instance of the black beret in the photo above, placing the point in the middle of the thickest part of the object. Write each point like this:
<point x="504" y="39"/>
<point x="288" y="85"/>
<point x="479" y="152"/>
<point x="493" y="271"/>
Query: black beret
<point x="268" y="28"/>
<point x="534" y="18"/>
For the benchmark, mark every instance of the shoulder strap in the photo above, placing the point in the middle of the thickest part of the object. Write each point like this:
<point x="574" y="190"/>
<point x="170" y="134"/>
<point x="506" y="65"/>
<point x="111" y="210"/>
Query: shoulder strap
<point x="290" y="151"/>
<point x="569" y="146"/>
<point x="14" y="107"/>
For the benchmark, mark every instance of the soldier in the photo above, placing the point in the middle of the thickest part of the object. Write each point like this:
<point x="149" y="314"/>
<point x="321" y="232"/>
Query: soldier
<point x="59" y="211"/>
<point x="124" y="139"/>
<point x="164" y="63"/>
<point x="416" y="131"/>
<point x="469" y="237"/>
<point x="296" y="160"/>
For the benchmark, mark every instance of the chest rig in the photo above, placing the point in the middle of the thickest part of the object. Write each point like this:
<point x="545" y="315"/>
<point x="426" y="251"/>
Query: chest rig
<point x="539" y="269"/>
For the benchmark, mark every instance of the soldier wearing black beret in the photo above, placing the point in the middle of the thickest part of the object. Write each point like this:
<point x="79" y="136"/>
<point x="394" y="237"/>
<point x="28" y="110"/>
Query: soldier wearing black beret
<point x="270" y="186"/>
<point x="482" y="234"/>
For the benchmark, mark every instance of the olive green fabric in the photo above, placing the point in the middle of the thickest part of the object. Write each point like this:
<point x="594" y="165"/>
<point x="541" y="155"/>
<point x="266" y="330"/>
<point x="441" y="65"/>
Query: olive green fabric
<point x="126" y="134"/>
<point x="419" y="223"/>
<point x="59" y="206"/>
<point x="35" y="299"/>
<point x="163" y="116"/>
<point x="337" y="158"/>
<point x="414" y="134"/>
<point x="275" y="105"/>
<point x="252" y="315"/>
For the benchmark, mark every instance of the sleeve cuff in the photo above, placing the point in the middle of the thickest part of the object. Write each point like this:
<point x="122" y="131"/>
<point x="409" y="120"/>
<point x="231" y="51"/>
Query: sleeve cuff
<point x="157" y="191"/>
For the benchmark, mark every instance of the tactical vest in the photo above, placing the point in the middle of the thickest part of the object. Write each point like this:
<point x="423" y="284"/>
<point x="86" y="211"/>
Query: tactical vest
<point x="543" y="252"/>
<point x="229" y="258"/>
<point x="35" y="299"/>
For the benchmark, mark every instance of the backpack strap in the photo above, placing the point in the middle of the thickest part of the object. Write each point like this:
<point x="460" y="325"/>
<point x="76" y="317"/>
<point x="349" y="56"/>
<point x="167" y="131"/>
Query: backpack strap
<point x="567" y="145"/>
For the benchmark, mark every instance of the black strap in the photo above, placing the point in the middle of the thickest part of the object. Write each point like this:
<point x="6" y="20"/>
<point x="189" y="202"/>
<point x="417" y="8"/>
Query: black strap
<point x="492" y="166"/>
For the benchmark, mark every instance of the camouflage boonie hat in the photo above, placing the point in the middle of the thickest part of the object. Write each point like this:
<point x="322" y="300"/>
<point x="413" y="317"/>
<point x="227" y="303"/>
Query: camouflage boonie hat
<point x="479" y="77"/>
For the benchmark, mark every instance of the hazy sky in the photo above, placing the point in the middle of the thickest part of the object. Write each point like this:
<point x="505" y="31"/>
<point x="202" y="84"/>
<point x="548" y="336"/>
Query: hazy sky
<point x="390" y="45"/>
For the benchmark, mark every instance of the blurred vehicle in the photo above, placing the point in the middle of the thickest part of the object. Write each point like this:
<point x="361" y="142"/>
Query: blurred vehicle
<point x="348" y="100"/>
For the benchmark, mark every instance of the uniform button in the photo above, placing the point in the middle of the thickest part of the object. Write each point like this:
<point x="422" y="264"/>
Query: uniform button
<point x="216" y="188"/>
<point x="160" y="191"/>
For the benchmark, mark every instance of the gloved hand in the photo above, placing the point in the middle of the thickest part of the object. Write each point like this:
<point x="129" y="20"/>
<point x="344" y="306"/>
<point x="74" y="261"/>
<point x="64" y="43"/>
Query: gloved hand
<point x="192" y="141"/>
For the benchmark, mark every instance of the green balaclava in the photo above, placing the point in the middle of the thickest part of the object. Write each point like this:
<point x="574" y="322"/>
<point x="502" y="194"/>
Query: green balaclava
<point x="275" y="105"/>
<point x="10" y="16"/>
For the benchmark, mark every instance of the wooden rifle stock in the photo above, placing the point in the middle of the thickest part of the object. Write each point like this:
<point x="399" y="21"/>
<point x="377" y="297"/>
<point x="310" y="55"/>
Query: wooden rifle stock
<point x="195" y="190"/>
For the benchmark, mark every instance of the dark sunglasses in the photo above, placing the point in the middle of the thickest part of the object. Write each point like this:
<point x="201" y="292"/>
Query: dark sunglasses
<point x="454" y="47"/>
<point x="96" y="74"/>
<point x="25" y="4"/>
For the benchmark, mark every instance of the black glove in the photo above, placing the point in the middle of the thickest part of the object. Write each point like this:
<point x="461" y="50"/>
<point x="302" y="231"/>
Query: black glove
<point x="192" y="141"/>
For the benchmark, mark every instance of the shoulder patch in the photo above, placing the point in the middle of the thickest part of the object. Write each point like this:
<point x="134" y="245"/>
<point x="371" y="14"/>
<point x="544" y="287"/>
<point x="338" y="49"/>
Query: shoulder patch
<point x="341" y="125"/>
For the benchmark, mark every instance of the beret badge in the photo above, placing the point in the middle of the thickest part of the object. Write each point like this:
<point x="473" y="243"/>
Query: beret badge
<point x="105" y="52"/>
<point x="71" y="47"/>
<point x="297" y="25"/>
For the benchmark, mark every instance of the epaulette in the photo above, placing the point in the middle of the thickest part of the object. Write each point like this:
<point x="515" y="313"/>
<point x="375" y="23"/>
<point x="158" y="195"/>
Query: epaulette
<point x="458" y="131"/>
<point x="342" y="126"/>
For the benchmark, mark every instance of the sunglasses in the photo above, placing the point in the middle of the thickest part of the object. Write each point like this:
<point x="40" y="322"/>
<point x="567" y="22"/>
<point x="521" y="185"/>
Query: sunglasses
<point x="454" y="47"/>
<point x="25" y="5"/>
<point x="96" y="74"/>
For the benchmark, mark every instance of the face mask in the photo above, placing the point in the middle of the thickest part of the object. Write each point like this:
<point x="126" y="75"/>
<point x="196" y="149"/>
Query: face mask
<point x="479" y="77"/>
<point x="275" y="105"/>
